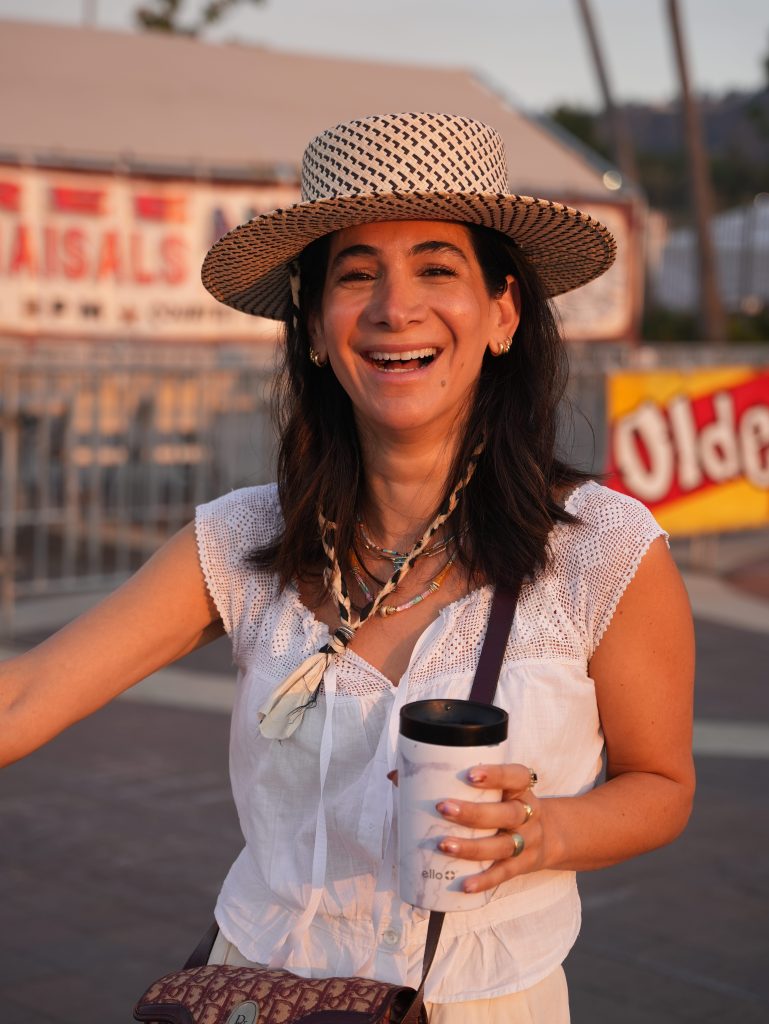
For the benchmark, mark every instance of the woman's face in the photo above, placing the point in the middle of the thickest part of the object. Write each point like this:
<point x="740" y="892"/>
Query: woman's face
<point x="405" y="318"/>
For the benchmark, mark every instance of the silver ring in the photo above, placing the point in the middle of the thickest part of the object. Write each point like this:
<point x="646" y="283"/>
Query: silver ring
<point x="528" y="809"/>
<point x="518" y="844"/>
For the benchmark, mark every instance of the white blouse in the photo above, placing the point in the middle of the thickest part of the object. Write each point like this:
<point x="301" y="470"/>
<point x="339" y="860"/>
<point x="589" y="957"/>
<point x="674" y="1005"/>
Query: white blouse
<point x="315" y="888"/>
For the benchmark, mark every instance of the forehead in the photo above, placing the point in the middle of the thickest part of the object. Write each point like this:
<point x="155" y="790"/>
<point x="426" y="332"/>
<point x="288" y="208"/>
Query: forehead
<point x="402" y="235"/>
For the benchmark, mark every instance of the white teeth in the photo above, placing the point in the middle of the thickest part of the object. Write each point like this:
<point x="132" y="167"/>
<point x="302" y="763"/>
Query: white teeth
<point x="417" y="353"/>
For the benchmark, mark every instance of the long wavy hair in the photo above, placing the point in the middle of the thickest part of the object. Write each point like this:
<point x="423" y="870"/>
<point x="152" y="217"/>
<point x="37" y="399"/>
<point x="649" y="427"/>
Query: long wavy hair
<point x="504" y="518"/>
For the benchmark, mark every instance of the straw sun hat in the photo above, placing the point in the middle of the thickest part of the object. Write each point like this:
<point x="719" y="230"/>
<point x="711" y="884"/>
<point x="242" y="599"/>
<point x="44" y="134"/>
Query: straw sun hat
<point x="402" y="167"/>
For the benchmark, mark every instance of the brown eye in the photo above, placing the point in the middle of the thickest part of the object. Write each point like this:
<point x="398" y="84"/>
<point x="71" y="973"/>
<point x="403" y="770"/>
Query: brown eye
<point x="356" y="275"/>
<point x="439" y="270"/>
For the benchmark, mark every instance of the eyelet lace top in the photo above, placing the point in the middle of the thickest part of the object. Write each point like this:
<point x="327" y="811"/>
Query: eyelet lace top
<point x="315" y="889"/>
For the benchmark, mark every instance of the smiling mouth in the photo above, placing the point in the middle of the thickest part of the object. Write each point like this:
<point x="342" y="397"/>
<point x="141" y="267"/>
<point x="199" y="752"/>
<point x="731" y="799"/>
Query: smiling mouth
<point x="401" y="362"/>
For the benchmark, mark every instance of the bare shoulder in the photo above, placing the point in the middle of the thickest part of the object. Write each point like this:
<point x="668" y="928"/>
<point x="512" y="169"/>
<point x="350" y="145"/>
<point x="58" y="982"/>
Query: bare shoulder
<point x="643" y="669"/>
<point x="653" y="610"/>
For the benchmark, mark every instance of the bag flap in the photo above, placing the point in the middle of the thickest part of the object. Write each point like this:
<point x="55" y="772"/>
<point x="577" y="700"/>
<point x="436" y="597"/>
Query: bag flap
<point x="217" y="994"/>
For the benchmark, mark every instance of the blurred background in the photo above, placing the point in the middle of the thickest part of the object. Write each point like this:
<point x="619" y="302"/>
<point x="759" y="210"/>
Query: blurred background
<point x="132" y="135"/>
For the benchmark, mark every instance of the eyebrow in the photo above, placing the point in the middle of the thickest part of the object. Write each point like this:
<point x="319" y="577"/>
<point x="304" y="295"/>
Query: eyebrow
<point x="420" y="249"/>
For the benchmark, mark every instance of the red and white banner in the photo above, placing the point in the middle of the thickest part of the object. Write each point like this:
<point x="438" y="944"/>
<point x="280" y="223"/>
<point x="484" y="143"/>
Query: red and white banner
<point x="95" y="255"/>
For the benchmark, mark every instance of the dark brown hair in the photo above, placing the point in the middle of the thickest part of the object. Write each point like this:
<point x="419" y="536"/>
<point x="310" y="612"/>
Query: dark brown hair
<point x="510" y="506"/>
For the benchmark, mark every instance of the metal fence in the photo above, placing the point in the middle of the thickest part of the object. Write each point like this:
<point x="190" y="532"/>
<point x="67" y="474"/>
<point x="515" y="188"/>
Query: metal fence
<point x="105" y="451"/>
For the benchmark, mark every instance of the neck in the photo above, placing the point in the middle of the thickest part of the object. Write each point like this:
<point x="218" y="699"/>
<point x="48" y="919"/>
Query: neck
<point x="405" y="481"/>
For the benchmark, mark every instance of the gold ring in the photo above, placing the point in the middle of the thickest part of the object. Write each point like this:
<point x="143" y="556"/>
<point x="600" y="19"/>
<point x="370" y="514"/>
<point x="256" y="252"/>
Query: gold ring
<point x="518" y="844"/>
<point x="529" y="810"/>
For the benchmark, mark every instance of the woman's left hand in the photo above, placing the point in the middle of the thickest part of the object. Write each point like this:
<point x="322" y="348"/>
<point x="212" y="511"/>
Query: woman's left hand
<point x="518" y="847"/>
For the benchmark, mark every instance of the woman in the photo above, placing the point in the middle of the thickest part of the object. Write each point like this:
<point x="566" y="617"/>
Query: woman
<point x="417" y="472"/>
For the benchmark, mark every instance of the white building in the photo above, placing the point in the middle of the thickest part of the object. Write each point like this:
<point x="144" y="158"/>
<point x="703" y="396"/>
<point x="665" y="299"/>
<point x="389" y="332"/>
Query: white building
<point x="741" y="242"/>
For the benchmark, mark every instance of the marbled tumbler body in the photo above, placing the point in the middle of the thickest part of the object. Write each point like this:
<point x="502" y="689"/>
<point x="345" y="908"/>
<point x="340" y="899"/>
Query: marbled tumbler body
<point x="438" y="743"/>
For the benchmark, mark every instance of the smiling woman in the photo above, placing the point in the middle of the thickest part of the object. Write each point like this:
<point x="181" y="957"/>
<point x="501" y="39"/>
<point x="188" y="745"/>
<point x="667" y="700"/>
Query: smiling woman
<point x="473" y="295"/>
<point x="417" y="475"/>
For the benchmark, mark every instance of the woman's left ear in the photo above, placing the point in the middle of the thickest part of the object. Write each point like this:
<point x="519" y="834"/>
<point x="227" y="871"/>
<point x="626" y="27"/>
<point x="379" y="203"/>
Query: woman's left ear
<point x="510" y="306"/>
<point x="508" y="318"/>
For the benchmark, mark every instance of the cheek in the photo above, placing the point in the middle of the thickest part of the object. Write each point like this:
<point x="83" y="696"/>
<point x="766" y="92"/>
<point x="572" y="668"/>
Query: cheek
<point x="335" y="325"/>
<point x="323" y="335"/>
<point x="471" y="316"/>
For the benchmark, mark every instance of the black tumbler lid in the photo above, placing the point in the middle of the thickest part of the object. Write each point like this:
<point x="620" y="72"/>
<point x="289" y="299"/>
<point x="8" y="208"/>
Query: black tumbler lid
<point x="453" y="723"/>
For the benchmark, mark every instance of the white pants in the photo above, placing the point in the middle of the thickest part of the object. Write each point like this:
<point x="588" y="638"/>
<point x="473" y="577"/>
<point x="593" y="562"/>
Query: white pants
<point x="547" y="1002"/>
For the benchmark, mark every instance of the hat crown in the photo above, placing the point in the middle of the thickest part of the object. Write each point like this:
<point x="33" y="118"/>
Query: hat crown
<point x="412" y="152"/>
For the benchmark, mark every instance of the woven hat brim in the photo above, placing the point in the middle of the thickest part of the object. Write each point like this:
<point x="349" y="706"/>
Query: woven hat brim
<point x="248" y="267"/>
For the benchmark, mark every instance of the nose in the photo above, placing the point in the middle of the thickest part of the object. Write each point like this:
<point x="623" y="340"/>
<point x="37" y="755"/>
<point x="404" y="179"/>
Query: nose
<point x="395" y="302"/>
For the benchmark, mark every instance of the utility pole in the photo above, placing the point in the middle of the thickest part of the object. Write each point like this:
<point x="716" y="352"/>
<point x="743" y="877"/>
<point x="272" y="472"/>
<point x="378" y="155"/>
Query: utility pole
<point x="711" y="310"/>
<point x="622" y="144"/>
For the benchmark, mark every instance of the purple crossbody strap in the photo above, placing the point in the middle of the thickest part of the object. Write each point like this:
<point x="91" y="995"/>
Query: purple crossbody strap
<point x="484" y="688"/>
<point x="492" y="655"/>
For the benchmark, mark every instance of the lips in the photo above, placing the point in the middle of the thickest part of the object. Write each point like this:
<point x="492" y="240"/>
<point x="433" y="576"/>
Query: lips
<point x="401" y="362"/>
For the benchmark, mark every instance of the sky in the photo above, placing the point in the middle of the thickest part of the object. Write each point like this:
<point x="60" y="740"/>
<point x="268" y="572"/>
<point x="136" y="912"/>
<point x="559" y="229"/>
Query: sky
<point x="534" y="52"/>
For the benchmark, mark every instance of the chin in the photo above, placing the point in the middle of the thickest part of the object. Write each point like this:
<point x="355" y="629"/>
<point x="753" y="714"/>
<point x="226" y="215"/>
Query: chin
<point x="407" y="421"/>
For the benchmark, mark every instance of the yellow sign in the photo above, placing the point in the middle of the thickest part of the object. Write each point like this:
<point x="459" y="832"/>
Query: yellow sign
<point x="693" y="445"/>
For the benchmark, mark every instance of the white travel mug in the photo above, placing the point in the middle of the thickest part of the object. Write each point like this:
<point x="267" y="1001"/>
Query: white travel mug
<point x="439" y="741"/>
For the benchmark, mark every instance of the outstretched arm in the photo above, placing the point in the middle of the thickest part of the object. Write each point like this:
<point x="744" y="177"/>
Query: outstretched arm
<point x="157" y="616"/>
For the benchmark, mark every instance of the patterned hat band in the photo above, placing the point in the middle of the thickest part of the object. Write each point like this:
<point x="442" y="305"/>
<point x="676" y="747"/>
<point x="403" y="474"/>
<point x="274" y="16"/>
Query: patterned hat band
<point x="402" y="167"/>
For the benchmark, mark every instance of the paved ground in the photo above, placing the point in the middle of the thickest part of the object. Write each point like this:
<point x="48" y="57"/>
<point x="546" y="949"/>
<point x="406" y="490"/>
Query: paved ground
<point x="116" y="835"/>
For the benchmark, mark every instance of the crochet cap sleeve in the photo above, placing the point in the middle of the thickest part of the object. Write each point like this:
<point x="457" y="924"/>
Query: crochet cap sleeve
<point x="613" y="534"/>
<point x="228" y="530"/>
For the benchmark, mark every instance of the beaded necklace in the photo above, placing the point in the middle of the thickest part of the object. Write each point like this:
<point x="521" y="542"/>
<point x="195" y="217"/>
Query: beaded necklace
<point x="366" y="570"/>
<point x="385" y="610"/>
<point x="399" y="557"/>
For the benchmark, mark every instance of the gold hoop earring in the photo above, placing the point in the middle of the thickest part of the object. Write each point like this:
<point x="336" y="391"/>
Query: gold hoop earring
<point x="316" y="359"/>
<point x="500" y="348"/>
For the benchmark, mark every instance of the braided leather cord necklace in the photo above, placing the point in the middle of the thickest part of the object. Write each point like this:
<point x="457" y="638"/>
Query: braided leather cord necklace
<point x="282" y="712"/>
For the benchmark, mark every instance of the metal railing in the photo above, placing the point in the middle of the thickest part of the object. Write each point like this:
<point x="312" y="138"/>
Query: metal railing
<point x="105" y="452"/>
